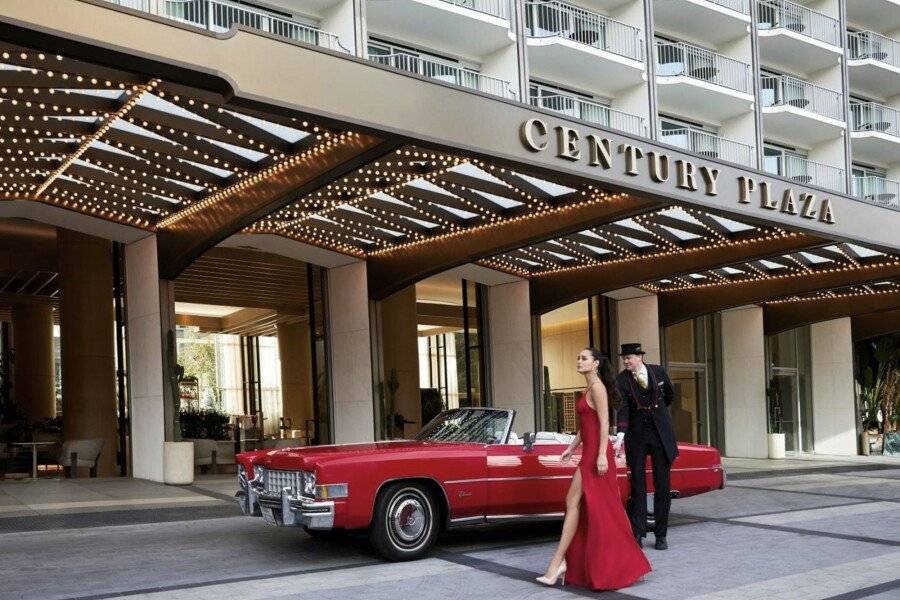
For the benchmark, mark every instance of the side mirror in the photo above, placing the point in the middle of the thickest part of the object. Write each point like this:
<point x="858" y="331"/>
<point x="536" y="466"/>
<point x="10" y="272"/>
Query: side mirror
<point x="528" y="441"/>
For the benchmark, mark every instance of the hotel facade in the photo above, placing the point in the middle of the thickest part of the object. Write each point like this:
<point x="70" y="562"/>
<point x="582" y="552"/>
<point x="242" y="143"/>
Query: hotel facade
<point x="362" y="211"/>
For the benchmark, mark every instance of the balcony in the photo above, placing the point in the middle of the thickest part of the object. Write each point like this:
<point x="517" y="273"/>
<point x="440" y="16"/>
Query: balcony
<point x="447" y="72"/>
<point x="697" y="82"/>
<point x="220" y="16"/>
<point x="874" y="63"/>
<point x="582" y="48"/>
<point x="707" y="144"/>
<point x="878" y="191"/>
<point x="798" y="37"/>
<point x="470" y="27"/>
<point x="875" y="133"/>
<point x="714" y="21"/>
<point x="799" y="112"/>
<point x="586" y="110"/>
<point x="806" y="171"/>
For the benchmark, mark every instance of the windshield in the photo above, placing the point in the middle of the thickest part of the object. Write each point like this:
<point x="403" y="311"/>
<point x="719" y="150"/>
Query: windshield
<point x="474" y="425"/>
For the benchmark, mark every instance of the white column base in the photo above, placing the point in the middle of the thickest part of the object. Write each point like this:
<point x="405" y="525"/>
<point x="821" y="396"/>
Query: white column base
<point x="178" y="463"/>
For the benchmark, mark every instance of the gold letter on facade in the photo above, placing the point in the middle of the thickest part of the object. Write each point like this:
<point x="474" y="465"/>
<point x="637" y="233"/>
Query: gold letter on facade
<point x="808" y="211"/>
<point x="527" y="131"/>
<point x="659" y="166"/>
<point x="567" y="143"/>
<point x="686" y="175"/>
<point x="599" y="152"/>
<point x="787" y="202"/>
<point x="746" y="186"/>
<point x="825" y="213"/>
<point x="710" y="177"/>
<point x="766" y="199"/>
<point x="632" y="153"/>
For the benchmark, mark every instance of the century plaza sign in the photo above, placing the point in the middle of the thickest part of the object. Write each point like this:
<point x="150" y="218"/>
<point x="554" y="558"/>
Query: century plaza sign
<point x="602" y="153"/>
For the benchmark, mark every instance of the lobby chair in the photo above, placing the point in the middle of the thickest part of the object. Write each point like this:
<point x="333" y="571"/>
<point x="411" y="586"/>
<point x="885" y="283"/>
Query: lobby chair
<point x="80" y="453"/>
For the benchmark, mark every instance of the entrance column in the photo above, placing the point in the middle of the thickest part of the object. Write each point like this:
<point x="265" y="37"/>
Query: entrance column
<point x="637" y="320"/>
<point x="151" y="313"/>
<point x="350" y="360"/>
<point x="834" y="419"/>
<point x="295" y="355"/>
<point x="744" y="383"/>
<point x="87" y="350"/>
<point x="400" y="351"/>
<point x="510" y="346"/>
<point x="33" y="377"/>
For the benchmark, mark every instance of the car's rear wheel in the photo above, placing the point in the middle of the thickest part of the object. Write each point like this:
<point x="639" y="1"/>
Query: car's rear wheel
<point x="405" y="521"/>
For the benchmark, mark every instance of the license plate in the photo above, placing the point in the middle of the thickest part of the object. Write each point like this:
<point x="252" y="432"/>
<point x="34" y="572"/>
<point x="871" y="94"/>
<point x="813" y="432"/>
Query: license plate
<point x="269" y="516"/>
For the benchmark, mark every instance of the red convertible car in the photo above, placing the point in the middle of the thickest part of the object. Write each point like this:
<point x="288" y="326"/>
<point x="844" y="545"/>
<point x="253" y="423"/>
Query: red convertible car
<point x="466" y="467"/>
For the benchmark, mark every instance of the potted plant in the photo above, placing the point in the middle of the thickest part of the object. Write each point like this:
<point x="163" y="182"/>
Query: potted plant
<point x="392" y="421"/>
<point x="775" y="438"/>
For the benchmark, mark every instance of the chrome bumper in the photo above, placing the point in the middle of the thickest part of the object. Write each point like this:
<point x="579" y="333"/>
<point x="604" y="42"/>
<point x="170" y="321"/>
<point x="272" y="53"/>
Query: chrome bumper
<point x="285" y="510"/>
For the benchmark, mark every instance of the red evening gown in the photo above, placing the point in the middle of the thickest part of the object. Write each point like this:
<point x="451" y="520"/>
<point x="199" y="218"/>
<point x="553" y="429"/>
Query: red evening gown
<point x="603" y="554"/>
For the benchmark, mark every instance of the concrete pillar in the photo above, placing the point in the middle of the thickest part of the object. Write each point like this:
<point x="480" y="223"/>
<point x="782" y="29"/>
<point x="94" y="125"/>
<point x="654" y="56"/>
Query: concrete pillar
<point x="33" y="376"/>
<point x="744" y="383"/>
<point x="87" y="349"/>
<point x="151" y="307"/>
<point x="509" y="336"/>
<point x="637" y="320"/>
<point x="400" y="351"/>
<point x="834" y="420"/>
<point x="350" y="364"/>
<point x="295" y="354"/>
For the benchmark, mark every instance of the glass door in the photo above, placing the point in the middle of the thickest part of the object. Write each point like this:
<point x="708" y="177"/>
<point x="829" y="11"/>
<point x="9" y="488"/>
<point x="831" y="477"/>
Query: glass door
<point x="789" y="398"/>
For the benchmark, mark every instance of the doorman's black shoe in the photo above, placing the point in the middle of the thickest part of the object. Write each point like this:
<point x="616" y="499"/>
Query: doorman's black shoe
<point x="661" y="544"/>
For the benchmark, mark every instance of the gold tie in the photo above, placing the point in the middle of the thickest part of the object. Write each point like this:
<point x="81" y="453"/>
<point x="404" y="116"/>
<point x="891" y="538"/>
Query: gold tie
<point x="641" y="379"/>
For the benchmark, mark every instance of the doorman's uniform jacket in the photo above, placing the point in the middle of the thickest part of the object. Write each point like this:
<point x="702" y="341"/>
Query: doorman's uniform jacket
<point x="636" y="402"/>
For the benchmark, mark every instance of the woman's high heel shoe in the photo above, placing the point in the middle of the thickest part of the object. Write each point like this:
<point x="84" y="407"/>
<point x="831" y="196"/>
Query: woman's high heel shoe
<point x="560" y="572"/>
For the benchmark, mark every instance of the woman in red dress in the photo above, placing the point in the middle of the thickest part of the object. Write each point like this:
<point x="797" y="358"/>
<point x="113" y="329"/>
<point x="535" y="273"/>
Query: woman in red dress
<point x="597" y="549"/>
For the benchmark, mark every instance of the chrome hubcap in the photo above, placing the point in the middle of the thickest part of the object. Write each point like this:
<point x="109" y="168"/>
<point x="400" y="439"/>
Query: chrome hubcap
<point x="408" y="519"/>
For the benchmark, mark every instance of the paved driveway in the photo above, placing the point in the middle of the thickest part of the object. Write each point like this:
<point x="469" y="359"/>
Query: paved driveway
<point x="801" y="531"/>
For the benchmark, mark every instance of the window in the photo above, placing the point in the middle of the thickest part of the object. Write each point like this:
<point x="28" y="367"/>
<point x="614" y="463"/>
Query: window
<point x="787" y="162"/>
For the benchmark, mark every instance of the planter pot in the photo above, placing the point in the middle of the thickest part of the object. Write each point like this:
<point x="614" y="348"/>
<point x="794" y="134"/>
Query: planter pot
<point x="776" y="445"/>
<point x="864" y="437"/>
<point x="178" y="463"/>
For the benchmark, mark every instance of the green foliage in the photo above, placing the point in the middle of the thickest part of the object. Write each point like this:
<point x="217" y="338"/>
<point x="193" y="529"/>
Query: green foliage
<point x="432" y="404"/>
<point x="878" y="361"/>
<point x="199" y="361"/>
<point x="203" y="423"/>
<point x="387" y="397"/>
<point x="776" y="407"/>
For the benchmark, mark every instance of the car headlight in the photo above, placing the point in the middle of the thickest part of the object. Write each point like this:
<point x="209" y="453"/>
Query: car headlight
<point x="308" y="483"/>
<point x="259" y="472"/>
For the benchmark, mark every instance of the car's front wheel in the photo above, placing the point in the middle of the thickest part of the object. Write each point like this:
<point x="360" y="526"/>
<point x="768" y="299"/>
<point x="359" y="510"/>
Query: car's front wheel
<point x="405" y="521"/>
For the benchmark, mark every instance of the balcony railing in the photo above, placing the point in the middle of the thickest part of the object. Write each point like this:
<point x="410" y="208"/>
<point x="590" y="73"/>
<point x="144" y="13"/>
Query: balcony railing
<point x="878" y="191"/>
<point x="878" y="118"/>
<point x="806" y="171"/>
<point x="783" y="90"/>
<point x="446" y="72"/>
<point x="741" y="6"/>
<point x="498" y="8"/>
<point x="867" y="44"/>
<point x="678" y="58"/>
<point x="707" y="144"/>
<point x="774" y="14"/>
<point x="558" y="19"/>
<point x="587" y="110"/>
<point x="221" y="15"/>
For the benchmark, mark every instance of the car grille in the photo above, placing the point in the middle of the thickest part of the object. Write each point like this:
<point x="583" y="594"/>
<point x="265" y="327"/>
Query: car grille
<point x="275" y="481"/>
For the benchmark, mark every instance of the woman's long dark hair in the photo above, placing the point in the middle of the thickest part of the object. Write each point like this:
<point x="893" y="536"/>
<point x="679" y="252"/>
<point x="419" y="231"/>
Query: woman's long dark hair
<point x="608" y="377"/>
